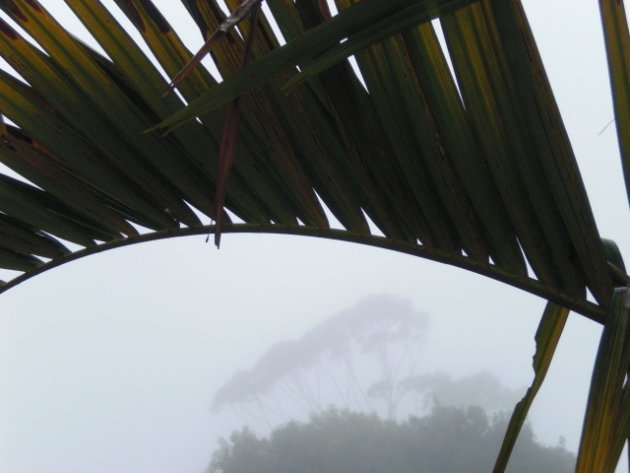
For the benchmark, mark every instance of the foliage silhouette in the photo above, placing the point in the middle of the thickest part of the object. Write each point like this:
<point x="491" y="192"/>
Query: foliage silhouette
<point x="449" y="440"/>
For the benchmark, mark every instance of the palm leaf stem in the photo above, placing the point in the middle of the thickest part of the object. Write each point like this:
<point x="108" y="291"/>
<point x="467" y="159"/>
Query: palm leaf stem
<point x="230" y="129"/>
<point x="586" y="308"/>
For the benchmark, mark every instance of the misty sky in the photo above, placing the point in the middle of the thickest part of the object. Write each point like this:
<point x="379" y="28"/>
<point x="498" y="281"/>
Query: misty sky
<point x="109" y="364"/>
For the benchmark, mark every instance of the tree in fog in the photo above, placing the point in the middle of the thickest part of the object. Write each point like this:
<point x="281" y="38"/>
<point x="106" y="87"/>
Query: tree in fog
<point x="449" y="439"/>
<point x="390" y="414"/>
<point x="482" y="389"/>
<point x="335" y="363"/>
<point x="367" y="359"/>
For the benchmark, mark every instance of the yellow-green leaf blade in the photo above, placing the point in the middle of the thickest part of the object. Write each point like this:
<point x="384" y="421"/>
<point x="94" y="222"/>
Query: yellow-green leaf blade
<point x="618" y="50"/>
<point x="316" y="40"/>
<point x="601" y="435"/>
<point x="547" y="336"/>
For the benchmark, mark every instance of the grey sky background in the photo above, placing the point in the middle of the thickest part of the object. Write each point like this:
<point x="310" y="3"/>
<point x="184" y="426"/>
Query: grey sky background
<point x="110" y="363"/>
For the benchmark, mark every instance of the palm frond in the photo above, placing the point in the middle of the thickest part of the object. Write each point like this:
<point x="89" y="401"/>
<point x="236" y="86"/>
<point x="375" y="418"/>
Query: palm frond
<point x="473" y="168"/>
<point x="606" y="425"/>
<point x="547" y="337"/>
<point x="617" y="40"/>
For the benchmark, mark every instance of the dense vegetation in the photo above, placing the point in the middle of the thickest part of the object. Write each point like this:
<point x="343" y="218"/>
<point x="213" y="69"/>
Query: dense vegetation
<point x="448" y="440"/>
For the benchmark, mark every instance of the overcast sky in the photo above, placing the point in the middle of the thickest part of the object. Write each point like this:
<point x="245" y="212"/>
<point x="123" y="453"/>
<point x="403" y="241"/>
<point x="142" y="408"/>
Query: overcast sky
<point x="109" y="364"/>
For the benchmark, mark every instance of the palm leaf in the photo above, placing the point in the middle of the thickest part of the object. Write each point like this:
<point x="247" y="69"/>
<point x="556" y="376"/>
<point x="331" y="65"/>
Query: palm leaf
<point x="547" y="336"/>
<point x="449" y="177"/>
<point x="617" y="40"/>
<point x="606" y="425"/>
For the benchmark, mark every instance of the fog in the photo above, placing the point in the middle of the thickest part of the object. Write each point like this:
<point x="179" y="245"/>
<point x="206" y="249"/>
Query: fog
<point x="112" y="362"/>
<point x="113" y="365"/>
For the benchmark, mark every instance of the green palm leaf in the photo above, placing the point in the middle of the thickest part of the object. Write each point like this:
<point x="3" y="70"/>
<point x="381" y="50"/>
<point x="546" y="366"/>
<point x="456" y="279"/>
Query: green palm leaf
<point x="547" y="337"/>
<point x="454" y="178"/>
<point x="618" y="49"/>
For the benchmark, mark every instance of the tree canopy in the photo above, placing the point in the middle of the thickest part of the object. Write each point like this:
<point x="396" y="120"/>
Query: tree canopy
<point x="449" y="439"/>
<point x="380" y="335"/>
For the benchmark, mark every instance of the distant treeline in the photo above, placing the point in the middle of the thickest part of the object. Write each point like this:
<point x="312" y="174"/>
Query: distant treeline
<point x="448" y="440"/>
